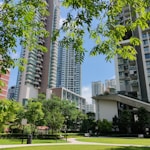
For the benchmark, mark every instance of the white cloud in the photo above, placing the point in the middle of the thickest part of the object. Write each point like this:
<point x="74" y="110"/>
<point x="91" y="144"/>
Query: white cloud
<point x="113" y="77"/>
<point x="87" y="93"/>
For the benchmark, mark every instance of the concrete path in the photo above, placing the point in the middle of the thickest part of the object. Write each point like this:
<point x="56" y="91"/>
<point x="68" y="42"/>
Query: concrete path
<point x="71" y="141"/>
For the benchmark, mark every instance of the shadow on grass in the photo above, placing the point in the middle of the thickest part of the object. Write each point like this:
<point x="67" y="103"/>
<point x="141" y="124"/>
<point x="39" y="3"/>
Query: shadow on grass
<point x="131" y="148"/>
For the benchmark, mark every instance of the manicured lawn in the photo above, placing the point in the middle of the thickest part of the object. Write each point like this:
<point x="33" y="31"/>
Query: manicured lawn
<point x="34" y="141"/>
<point x="136" y="141"/>
<point x="78" y="147"/>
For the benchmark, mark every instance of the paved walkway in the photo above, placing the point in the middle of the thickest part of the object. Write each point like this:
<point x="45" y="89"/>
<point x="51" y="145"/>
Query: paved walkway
<point x="71" y="141"/>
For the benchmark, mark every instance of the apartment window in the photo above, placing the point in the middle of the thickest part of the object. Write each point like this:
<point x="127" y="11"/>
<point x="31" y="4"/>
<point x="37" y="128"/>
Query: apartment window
<point x="144" y="35"/>
<point x="146" y="49"/>
<point x="148" y="70"/>
<point x="148" y="63"/>
<point x="147" y="56"/>
<point x="145" y="42"/>
<point x="120" y="74"/>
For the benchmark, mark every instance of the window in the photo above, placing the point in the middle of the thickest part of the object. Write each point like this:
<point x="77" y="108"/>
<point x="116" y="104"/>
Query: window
<point x="120" y="74"/>
<point x="146" y="49"/>
<point x="145" y="42"/>
<point x="147" y="56"/>
<point x="148" y="63"/>
<point x="148" y="70"/>
<point x="144" y="35"/>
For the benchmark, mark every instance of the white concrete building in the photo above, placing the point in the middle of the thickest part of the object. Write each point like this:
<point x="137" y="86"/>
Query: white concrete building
<point x="66" y="94"/>
<point x="133" y="77"/>
<point x="68" y="70"/>
<point x="90" y="108"/>
<point x="108" y="106"/>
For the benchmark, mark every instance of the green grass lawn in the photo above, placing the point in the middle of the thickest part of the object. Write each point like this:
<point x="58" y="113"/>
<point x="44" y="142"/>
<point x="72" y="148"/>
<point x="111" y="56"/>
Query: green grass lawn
<point x="136" y="141"/>
<point x="78" y="147"/>
<point x="34" y="141"/>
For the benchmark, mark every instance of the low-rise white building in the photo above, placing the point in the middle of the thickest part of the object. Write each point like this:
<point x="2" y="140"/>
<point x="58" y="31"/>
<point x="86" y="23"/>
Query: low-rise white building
<point x="108" y="106"/>
<point x="66" y="94"/>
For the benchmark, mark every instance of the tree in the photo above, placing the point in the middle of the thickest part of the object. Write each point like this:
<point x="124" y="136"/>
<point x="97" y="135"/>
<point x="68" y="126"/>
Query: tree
<point x="59" y="113"/>
<point x="33" y="114"/>
<point x="125" y="120"/>
<point x="54" y="120"/>
<point x="89" y="123"/>
<point x="143" y="118"/>
<point x="104" y="126"/>
<point x="8" y="111"/>
<point x="20" y="22"/>
<point x="52" y="114"/>
<point x="106" y="33"/>
<point x="16" y="125"/>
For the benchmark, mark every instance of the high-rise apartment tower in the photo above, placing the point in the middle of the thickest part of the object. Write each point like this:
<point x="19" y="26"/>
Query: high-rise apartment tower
<point x="68" y="70"/>
<point x="133" y="77"/>
<point x="40" y="72"/>
<point x="97" y="88"/>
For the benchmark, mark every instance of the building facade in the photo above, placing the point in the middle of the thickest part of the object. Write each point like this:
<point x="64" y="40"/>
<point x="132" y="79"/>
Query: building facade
<point x="110" y="83"/>
<point x="97" y="88"/>
<point x="133" y="77"/>
<point x="66" y="94"/>
<point x="40" y="71"/>
<point x="68" y="70"/>
<point x="11" y="92"/>
<point x="5" y="79"/>
<point x="90" y="108"/>
<point x="110" y="86"/>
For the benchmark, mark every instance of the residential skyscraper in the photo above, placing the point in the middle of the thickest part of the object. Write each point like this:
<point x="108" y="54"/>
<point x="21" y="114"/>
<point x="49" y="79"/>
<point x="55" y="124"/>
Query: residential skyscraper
<point x="68" y="70"/>
<point x="97" y="88"/>
<point x="11" y="92"/>
<point x="133" y="77"/>
<point x="40" y="72"/>
<point x="110" y="83"/>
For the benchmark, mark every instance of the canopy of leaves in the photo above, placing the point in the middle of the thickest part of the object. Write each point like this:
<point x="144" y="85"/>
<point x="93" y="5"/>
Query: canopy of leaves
<point x="33" y="113"/>
<point x="57" y="110"/>
<point x="8" y="111"/>
<point x="106" y="32"/>
<point x="21" y="21"/>
<point x="104" y="126"/>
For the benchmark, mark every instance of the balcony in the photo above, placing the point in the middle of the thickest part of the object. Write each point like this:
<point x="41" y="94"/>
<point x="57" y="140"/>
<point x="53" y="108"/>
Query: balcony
<point x="133" y="76"/>
<point x="38" y="61"/>
<point x="134" y="83"/>
<point x="37" y="75"/>
<point x="36" y="83"/>
<point x="38" y="69"/>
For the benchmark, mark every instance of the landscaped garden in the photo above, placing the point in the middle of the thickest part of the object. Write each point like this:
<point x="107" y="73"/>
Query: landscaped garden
<point x="79" y="147"/>
<point x="34" y="141"/>
<point x="135" y="141"/>
<point x="142" y="143"/>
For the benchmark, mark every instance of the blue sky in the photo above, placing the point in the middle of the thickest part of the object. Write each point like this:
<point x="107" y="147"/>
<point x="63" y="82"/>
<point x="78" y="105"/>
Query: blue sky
<point x="94" y="68"/>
